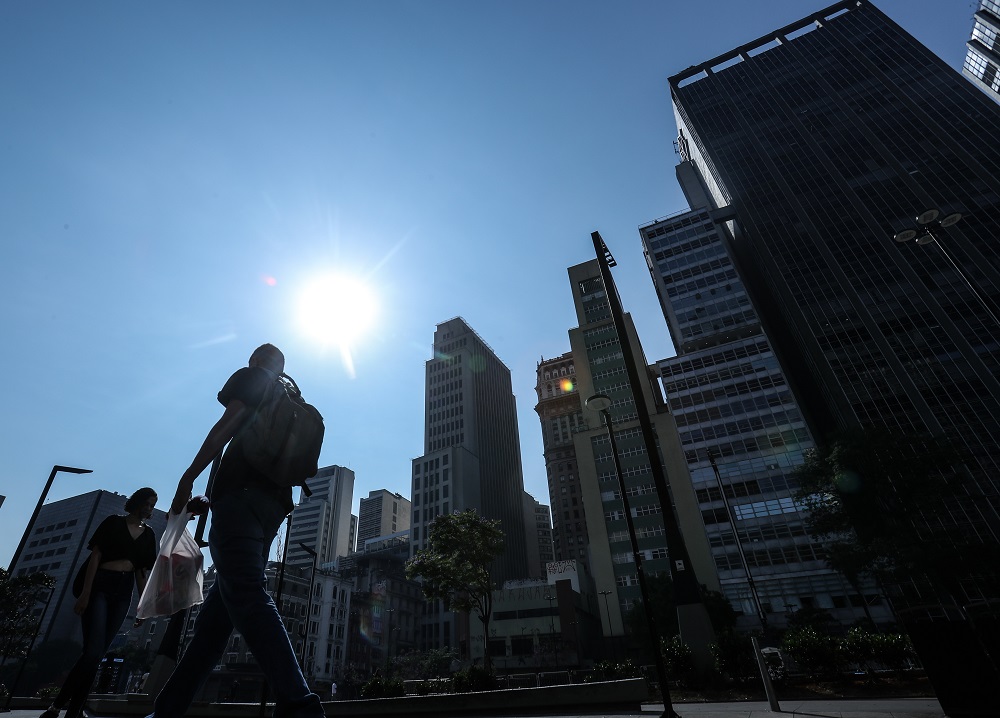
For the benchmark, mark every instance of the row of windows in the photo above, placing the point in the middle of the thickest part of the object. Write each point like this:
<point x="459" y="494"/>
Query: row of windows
<point x="745" y="426"/>
<point x="55" y="527"/>
<point x="683" y="368"/>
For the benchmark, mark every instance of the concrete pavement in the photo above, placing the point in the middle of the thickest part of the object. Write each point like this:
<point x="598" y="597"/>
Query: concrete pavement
<point x="891" y="708"/>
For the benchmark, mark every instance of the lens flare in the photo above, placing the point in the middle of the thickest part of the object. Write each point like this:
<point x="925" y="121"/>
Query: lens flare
<point x="566" y="385"/>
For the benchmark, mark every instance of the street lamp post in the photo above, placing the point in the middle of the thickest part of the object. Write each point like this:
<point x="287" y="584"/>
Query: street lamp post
<point x="552" y="625"/>
<point x="38" y="507"/>
<point x="611" y="630"/>
<point x="602" y="403"/>
<point x="388" y="634"/>
<point x="925" y="233"/>
<point x="309" y="602"/>
<point x="765" y="676"/>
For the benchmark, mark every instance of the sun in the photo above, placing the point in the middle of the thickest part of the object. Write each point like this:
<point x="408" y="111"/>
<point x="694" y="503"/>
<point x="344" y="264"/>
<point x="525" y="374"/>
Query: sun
<point x="337" y="309"/>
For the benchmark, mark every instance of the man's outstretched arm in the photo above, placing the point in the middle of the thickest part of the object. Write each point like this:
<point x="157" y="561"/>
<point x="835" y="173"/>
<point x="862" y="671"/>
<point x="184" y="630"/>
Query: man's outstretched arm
<point x="219" y="435"/>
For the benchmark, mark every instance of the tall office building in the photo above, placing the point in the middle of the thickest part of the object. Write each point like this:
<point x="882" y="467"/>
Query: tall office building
<point x="57" y="545"/>
<point x="472" y="455"/>
<point x="600" y="368"/>
<point x="823" y="141"/>
<point x="729" y="397"/>
<point x="322" y="521"/>
<point x="982" y="60"/>
<point x="381" y="514"/>
<point x="538" y="536"/>
<point x="561" y="415"/>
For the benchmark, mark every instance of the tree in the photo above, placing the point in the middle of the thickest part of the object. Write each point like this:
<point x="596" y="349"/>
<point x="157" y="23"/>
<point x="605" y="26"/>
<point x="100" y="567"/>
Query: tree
<point x="867" y="492"/>
<point x="455" y="565"/>
<point x="19" y="596"/>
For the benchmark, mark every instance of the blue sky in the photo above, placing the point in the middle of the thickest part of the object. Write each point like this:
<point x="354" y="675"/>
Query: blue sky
<point x="172" y="175"/>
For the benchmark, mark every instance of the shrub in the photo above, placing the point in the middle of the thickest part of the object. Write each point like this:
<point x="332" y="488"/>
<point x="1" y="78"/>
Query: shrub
<point x="379" y="687"/>
<point x="815" y="653"/>
<point x="473" y="679"/>
<point x="858" y="648"/>
<point x="893" y="650"/>
<point x="613" y="671"/>
<point x="46" y="692"/>
<point x="679" y="660"/>
<point x="733" y="653"/>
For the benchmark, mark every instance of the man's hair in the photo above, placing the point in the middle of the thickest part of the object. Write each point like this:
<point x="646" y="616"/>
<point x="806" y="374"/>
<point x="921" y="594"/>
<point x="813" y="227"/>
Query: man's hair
<point x="269" y="357"/>
<point x="138" y="498"/>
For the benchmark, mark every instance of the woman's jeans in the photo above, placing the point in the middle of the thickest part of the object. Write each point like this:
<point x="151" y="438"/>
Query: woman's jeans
<point x="244" y="523"/>
<point x="110" y="598"/>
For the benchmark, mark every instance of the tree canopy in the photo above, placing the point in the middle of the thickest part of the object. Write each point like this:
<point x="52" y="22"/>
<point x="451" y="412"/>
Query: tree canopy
<point x="455" y="565"/>
<point x="871" y="497"/>
<point x="19" y="596"/>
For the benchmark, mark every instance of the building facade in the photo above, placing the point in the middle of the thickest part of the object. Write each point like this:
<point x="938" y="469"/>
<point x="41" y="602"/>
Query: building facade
<point x="57" y="545"/>
<point x="821" y="143"/>
<point x="323" y="521"/>
<point x="600" y="368"/>
<point x="537" y="536"/>
<point x="982" y="60"/>
<point x="381" y="514"/>
<point x="730" y="398"/>
<point x="561" y="415"/>
<point x="472" y="455"/>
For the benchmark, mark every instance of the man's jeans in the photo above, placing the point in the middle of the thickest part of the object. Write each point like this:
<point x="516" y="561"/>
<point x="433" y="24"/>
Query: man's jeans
<point x="110" y="597"/>
<point x="243" y="525"/>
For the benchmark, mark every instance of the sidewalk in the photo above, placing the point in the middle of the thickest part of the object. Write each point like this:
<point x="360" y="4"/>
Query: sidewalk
<point x="888" y="708"/>
<point x="893" y="708"/>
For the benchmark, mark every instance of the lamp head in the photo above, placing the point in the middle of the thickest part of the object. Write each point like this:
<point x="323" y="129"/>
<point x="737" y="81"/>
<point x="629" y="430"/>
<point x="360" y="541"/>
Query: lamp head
<point x="599" y="402"/>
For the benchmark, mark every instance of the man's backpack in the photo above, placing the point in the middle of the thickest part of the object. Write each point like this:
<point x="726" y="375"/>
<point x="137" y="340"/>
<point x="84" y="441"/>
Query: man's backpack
<point x="285" y="435"/>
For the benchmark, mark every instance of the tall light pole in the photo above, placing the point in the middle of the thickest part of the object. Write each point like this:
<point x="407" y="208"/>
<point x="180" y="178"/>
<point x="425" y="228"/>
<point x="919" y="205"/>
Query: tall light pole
<point x="309" y="601"/>
<point x="388" y="633"/>
<point x="38" y="507"/>
<point x="552" y="625"/>
<point x="611" y="629"/>
<point x="602" y="403"/>
<point x="692" y="618"/>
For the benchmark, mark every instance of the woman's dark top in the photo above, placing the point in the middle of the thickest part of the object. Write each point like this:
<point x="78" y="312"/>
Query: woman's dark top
<point x="116" y="543"/>
<point x="248" y="385"/>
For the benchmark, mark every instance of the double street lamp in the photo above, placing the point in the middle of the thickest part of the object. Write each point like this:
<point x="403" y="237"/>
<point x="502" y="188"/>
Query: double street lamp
<point x="925" y="232"/>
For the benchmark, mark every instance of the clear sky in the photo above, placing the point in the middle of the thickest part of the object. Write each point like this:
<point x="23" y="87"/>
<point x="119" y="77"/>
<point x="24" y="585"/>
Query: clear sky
<point x="173" y="176"/>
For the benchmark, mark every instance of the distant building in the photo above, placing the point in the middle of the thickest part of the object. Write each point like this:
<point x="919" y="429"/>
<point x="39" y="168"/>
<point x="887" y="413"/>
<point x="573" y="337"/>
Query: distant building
<point x="982" y="61"/>
<point x="538" y="536"/>
<point x="381" y="514"/>
<point x="561" y="415"/>
<point x="57" y="545"/>
<point x="322" y="521"/>
<point x="472" y="456"/>
<point x="600" y="368"/>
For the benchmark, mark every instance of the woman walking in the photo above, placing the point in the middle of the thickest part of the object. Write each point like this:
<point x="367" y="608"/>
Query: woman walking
<point x="122" y="552"/>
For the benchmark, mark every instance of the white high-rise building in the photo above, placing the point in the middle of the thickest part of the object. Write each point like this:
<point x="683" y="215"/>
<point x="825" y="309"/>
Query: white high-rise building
<point x="322" y="521"/>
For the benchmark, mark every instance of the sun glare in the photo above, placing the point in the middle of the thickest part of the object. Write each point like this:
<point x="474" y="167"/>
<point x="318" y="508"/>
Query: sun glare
<point x="336" y="310"/>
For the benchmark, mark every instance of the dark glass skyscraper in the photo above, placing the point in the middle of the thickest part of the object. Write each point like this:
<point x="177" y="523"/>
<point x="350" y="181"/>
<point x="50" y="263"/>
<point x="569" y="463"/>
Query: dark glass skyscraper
<point x="824" y="140"/>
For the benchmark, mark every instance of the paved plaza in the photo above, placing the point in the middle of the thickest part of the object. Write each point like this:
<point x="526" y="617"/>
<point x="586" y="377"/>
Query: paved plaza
<point x="894" y="708"/>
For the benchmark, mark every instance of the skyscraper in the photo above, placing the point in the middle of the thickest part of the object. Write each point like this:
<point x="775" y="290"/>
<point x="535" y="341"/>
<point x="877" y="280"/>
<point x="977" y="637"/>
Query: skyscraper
<point x="730" y="399"/>
<point x="561" y="415"/>
<point x="472" y="454"/>
<point x="982" y="61"/>
<point x="600" y="368"/>
<point x="381" y="514"/>
<point x="819" y="143"/>
<point x="322" y="521"/>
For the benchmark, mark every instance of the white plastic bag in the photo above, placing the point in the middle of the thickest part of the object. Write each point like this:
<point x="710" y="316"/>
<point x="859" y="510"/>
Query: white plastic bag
<point x="176" y="580"/>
